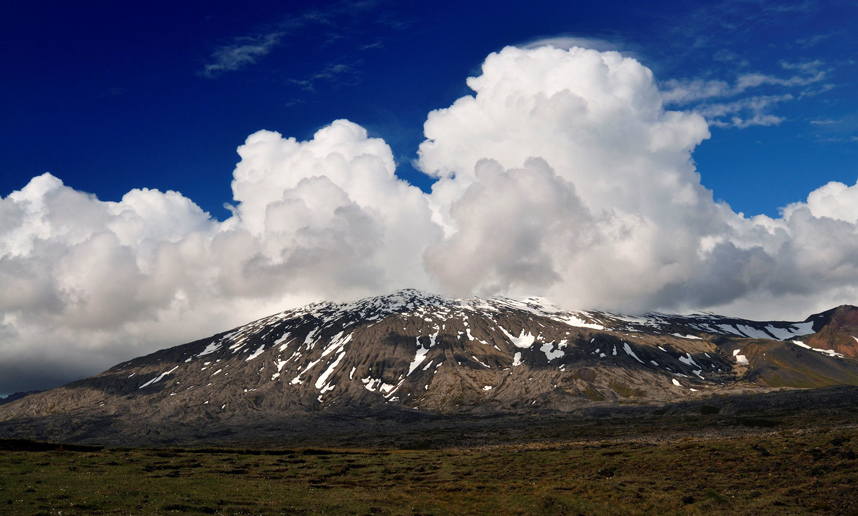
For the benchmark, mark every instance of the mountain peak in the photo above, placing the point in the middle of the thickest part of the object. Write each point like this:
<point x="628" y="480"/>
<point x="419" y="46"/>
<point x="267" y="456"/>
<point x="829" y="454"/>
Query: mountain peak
<point x="405" y="299"/>
<point x="841" y="316"/>
<point x="836" y="330"/>
<point x="411" y="299"/>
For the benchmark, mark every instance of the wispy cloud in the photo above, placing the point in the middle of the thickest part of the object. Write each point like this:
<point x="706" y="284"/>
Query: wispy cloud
<point x="248" y="49"/>
<point x="721" y="52"/>
<point x="841" y="128"/>
<point x="375" y="44"/>
<point x="753" y="80"/>
<point x="331" y="73"/>
<point x="822" y="89"/>
<point x="744" y="113"/>
<point x="244" y="51"/>
<point x="686" y="91"/>
<point x="725" y="56"/>
<point x="812" y="41"/>
<point x="750" y="110"/>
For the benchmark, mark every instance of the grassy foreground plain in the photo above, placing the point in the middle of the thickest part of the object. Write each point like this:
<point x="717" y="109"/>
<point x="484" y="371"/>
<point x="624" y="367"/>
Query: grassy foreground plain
<point x="778" y="472"/>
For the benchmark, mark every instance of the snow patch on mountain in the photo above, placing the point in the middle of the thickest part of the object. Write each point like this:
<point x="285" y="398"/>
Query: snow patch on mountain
<point x="631" y="353"/>
<point x="419" y="357"/>
<point x="553" y="351"/>
<point x="524" y="339"/>
<point x="256" y="353"/>
<point x="211" y="348"/>
<point x="740" y="359"/>
<point x="829" y="352"/>
<point x="688" y="360"/>
<point x="323" y="378"/>
<point x="158" y="378"/>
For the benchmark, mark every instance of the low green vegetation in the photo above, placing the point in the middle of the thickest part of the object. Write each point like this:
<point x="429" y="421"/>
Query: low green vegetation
<point x="785" y="472"/>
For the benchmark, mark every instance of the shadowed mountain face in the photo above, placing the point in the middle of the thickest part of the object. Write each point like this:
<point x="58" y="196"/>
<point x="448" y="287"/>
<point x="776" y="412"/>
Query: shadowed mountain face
<point x="412" y="354"/>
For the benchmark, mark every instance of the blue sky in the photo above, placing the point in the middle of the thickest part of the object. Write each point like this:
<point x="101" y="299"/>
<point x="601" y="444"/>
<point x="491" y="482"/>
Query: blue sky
<point x="678" y="157"/>
<point x="110" y="96"/>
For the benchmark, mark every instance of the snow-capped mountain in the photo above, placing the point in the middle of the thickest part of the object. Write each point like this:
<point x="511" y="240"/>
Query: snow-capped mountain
<point x="421" y="352"/>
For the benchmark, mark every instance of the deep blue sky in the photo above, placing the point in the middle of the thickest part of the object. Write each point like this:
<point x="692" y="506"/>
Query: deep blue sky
<point x="110" y="96"/>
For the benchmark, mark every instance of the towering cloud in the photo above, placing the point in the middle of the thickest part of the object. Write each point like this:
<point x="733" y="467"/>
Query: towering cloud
<point x="562" y="175"/>
<point x="597" y="121"/>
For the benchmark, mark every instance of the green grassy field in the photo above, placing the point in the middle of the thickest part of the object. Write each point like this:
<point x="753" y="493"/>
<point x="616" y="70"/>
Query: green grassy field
<point x="786" y="472"/>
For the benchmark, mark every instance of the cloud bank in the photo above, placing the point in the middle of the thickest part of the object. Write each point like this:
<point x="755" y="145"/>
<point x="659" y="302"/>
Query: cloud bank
<point x="563" y="175"/>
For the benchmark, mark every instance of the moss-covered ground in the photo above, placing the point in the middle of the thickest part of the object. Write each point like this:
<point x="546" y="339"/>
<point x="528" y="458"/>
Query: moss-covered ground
<point x="784" y="472"/>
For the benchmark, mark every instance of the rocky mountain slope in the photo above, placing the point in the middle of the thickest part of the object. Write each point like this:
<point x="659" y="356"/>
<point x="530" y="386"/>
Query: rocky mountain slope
<point x="416" y="353"/>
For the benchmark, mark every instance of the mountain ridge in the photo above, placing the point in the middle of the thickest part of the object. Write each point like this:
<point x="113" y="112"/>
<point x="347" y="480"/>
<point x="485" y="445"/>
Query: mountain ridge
<point x="412" y="352"/>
